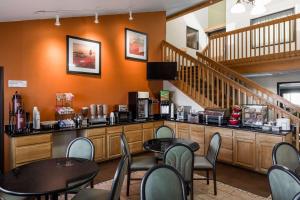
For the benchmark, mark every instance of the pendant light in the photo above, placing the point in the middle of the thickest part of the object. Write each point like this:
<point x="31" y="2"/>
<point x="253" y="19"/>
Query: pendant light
<point x="57" y="22"/>
<point x="130" y="16"/>
<point x="238" y="8"/>
<point x="96" y="18"/>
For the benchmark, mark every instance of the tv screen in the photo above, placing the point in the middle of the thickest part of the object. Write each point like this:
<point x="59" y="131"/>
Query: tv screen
<point x="161" y="70"/>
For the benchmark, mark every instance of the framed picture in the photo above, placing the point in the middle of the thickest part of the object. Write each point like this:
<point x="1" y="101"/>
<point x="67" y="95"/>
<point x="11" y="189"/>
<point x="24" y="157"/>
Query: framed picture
<point x="192" y="38"/>
<point x="83" y="56"/>
<point x="136" y="45"/>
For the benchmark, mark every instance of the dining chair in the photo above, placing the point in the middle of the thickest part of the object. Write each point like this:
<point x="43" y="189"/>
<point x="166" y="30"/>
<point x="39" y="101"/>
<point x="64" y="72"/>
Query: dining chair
<point x="208" y="163"/>
<point x="181" y="157"/>
<point x="284" y="183"/>
<point x="138" y="163"/>
<point x="114" y="193"/>
<point x="80" y="147"/>
<point x="12" y="197"/>
<point x="286" y="154"/>
<point x="164" y="132"/>
<point x="297" y="196"/>
<point x="163" y="182"/>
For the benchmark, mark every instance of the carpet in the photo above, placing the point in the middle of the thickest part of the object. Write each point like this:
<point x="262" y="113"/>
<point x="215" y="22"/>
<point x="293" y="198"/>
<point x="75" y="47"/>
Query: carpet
<point x="201" y="190"/>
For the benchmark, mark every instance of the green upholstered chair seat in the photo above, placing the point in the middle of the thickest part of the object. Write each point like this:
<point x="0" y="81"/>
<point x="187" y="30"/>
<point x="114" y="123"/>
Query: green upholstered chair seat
<point x="11" y="197"/>
<point x="92" y="194"/>
<point x="75" y="190"/>
<point x="143" y="162"/>
<point x="202" y="163"/>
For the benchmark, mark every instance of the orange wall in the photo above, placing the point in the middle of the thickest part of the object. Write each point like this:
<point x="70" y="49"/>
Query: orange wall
<point x="36" y="51"/>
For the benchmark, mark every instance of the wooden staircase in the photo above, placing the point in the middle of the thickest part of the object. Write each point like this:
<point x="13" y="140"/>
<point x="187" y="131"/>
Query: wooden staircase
<point x="212" y="84"/>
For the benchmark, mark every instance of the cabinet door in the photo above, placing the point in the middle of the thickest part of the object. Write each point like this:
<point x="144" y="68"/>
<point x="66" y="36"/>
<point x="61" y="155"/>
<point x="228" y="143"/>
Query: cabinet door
<point x="264" y="148"/>
<point x="183" y="130"/>
<point x="172" y="125"/>
<point x="197" y="135"/>
<point x="100" y="147"/>
<point x="147" y="134"/>
<point x="244" y="149"/>
<point x="113" y="145"/>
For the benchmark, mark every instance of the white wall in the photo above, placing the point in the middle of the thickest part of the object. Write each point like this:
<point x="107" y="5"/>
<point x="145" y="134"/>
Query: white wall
<point x="176" y="30"/>
<point x="236" y="21"/>
<point x="179" y="98"/>
<point x="270" y="82"/>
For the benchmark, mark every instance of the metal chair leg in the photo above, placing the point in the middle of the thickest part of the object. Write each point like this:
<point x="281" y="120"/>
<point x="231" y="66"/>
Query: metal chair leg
<point x="92" y="184"/>
<point x="215" y="181"/>
<point x="128" y="182"/>
<point x="66" y="196"/>
<point x="207" y="177"/>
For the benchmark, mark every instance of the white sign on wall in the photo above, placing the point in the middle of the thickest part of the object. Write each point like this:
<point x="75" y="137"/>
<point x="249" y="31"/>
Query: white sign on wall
<point x="17" y="84"/>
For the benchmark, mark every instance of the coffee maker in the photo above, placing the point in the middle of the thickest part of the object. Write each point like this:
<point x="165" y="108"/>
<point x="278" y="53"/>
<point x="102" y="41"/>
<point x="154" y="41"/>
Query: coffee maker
<point x="165" y="109"/>
<point x="139" y="105"/>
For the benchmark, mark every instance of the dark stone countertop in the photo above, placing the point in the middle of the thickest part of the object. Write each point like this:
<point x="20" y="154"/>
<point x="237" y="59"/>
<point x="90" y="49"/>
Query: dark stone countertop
<point x="36" y="132"/>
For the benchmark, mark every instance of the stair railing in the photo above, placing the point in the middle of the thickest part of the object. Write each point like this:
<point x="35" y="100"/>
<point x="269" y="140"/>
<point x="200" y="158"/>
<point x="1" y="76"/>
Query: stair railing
<point x="212" y="88"/>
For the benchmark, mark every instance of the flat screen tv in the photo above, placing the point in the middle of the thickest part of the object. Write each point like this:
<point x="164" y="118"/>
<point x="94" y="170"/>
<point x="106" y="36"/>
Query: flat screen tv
<point x="161" y="70"/>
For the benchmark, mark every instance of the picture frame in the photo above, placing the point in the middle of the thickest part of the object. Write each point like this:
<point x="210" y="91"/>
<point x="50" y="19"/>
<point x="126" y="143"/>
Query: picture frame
<point x="83" y="56"/>
<point x="192" y="38"/>
<point x="136" y="45"/>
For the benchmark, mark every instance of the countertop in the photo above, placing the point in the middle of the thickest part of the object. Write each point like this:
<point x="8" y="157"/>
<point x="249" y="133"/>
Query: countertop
<point x="36" y="132"/>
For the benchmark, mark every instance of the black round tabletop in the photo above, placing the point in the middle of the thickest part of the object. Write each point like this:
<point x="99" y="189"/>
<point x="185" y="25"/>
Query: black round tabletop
<point x="159" y="145"/>
<point x="48" y="176"/>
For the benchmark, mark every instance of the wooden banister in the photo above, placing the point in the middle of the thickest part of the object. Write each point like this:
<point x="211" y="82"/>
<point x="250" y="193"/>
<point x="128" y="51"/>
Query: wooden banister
<point x="270" y="40"/>
<point x="210" y="85"/>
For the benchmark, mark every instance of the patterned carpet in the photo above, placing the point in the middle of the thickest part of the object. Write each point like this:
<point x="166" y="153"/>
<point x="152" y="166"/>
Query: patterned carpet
<point x="201" y="191"/>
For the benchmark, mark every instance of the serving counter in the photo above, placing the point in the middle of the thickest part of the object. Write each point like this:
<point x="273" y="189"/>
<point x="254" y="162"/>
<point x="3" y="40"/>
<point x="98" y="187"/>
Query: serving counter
<point x="248" y="148"/>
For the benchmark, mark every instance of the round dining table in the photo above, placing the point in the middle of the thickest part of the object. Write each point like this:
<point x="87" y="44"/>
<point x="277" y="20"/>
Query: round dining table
<point x="48" y="177"/>
<point x="160" y="145"/>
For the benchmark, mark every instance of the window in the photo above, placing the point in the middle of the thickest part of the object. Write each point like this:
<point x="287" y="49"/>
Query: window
<point x="273" y="34"/>
<point x="290" y="91"/>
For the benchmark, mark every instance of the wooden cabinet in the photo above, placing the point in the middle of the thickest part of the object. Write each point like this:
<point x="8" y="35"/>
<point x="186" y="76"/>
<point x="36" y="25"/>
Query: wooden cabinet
<point x="156" y="125"/>
<point x="183" y="130"/>
<point x="98" y="137"/>
<point x="134" y="135"/>
<point x="28" y="149"/>
<point x="226" y="149"/>
<point x="148" y="131"/>
<point x="244" y="149"/>
<point x="113" y="141"/>
<point x="264" y="148"/>
<point x="172" y="125"/>
<point x="197" y="135"/>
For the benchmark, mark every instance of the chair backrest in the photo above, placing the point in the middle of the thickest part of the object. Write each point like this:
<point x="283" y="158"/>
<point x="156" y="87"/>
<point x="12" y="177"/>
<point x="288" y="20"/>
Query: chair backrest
<point x="163" y="182"/>
<point x="285" y="154"/>
<point x="119" y="178"/>
<point x="283" y="182"/>
<point x="181" y="157"/>
<point x="81" y="148"/>
<point x="297" y="196"/>
<point x="213" y="149"/>
<point x="164" y="132"/>
<point x="125" y="147"/>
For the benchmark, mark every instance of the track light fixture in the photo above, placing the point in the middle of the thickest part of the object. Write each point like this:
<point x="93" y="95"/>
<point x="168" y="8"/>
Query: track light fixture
<point x="57" y="22"/>
<point x="96" y="18"/>
<point x="130" y="16"/>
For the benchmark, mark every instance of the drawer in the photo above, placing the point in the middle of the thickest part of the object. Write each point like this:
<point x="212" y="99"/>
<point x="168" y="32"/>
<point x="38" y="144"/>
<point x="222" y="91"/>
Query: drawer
<point x="133" y="127"/>
<point x="136" y="147"/>
<point x="183" y="126"/>
<point x="158" y="124"/>
<point x="172" y="125"/>
<point x="225" y="155"/>
<point x="227" y="143"/>
<point x="116" y="129"/>
<point x="196" y="128"/>
<point x="25" y="154"/>
<point x="244" y="135"/>
<point x="147" y="134"/>
<point x="29" y="140"/>
<point x="134" y="136"/>
<point x="148" y="125"/>
<point x="268" y="138"/>
<point x="95" y="132"/>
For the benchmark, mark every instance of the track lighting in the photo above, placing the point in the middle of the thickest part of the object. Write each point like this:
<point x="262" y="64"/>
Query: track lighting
<point x="130" y="16"/>
<point x="96" y="19"/>
<point x="57" y="22"/>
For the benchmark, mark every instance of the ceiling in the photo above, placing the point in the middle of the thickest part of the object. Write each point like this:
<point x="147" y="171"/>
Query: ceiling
<point x="17" y="10"/>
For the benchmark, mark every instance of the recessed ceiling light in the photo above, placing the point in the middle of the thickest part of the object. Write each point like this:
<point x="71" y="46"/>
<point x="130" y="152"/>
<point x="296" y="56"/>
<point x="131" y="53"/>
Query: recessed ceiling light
<point x="96" y="19"/>
<point x="130" y="16"/>
<point x="57" y="22"/>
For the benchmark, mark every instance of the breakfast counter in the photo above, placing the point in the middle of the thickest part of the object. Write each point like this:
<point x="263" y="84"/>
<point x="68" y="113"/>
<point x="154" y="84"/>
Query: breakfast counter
<point x="241" y="146"/>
